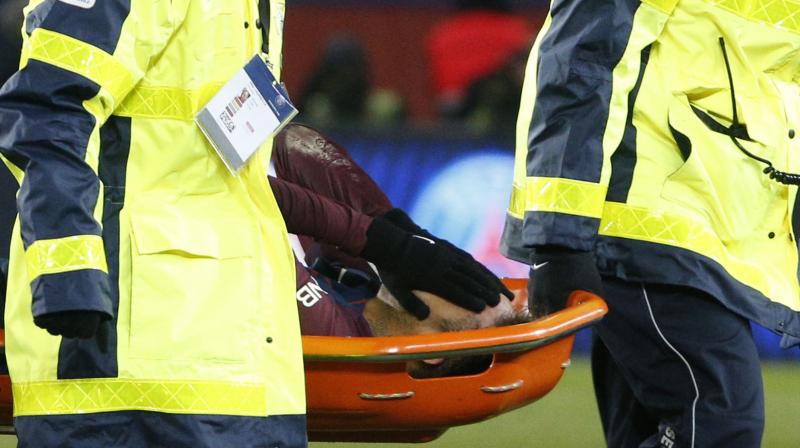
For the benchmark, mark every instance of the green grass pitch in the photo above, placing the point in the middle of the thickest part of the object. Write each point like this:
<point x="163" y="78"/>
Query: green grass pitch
<point x="567" y="417"/>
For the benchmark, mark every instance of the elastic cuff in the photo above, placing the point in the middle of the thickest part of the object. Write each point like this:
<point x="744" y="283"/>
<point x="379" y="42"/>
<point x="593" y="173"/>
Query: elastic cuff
<point x="84" y="290"/>
<point x="558" y="251"/>
<point x="574" y="232"/>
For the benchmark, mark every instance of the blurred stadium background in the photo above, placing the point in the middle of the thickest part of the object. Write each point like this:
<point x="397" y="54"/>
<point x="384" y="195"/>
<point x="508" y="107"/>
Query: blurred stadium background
<point x="420" y="95"/>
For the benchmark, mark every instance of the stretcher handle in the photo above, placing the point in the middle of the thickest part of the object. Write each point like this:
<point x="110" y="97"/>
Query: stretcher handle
<point x="586" y="309"/>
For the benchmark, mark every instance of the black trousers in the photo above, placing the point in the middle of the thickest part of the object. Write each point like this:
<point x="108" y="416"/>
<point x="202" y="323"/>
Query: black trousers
<point x="142" y="429"/>
<point x="673" y="368"/>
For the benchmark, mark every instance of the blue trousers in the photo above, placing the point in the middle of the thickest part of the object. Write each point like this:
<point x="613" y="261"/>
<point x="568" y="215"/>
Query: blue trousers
<point x="138" y="429"/>
<point x="673" y="368"/>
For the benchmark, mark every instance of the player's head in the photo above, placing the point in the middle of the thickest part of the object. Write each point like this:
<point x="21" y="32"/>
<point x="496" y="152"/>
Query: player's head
<point x="387" y="318"/>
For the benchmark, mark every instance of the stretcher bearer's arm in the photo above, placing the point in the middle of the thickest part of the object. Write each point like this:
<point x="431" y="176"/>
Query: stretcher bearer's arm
<point x="584" y="66"/>
<point x="80" y="59"/>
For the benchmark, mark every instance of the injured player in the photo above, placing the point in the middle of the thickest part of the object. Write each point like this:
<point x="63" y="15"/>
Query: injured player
<point x="331" y="204"/>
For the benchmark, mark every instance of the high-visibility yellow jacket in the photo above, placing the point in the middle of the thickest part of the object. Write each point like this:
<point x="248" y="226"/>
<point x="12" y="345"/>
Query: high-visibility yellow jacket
<point x="624" y="147"/>
<point x="126" y="209"/>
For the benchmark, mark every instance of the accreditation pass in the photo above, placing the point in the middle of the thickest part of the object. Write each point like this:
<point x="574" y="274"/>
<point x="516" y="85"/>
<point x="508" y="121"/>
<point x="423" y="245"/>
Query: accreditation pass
<point x="250" y="108"/>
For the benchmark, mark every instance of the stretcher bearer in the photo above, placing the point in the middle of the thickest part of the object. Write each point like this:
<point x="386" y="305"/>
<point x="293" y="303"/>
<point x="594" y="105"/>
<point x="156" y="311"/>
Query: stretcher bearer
<point x="656" y="143"/>
<point x="165" y="282"/>
<point x="170" y="279"/>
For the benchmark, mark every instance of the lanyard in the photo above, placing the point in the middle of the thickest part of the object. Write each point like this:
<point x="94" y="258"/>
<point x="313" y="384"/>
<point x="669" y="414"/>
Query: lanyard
<point x="264" y="19"/>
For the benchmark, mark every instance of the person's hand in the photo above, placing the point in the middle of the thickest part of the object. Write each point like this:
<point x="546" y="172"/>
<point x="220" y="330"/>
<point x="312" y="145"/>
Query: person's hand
<point x="401" y="219"/>
<point x="555" y="274"/>
<point x="408" y="261"/>
<point x="76" y="324"/>
<point x="405" y="295"/>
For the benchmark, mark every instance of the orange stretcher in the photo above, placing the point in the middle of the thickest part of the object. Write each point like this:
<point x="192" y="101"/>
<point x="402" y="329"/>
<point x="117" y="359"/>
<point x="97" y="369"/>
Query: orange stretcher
<point x="358" y="389"/>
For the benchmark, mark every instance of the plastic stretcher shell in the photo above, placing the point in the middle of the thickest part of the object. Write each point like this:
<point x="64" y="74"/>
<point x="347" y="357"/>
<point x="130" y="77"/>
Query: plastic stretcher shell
<point x="358" y="388"/>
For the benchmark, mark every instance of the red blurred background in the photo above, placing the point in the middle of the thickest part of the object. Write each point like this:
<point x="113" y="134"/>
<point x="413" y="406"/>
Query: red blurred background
<point x="394" y="39"/>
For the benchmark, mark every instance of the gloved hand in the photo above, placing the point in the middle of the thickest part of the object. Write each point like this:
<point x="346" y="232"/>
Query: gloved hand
<point x="76" y="324"/>
<point x="408" y="261"/>
<point x="401" y="219"/>
<point x="404" y="295"/>
<point x="555" y="274"/>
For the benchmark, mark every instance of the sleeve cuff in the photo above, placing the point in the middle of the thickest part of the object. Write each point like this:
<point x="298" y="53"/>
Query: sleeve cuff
<point x="84" y="290"/>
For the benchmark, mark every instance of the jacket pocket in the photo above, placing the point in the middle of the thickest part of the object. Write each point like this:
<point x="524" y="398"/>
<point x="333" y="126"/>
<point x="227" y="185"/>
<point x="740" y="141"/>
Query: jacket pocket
<point x="718" y="183"/>
<point x="193" y="289"/>
<point x="218" y="38"/>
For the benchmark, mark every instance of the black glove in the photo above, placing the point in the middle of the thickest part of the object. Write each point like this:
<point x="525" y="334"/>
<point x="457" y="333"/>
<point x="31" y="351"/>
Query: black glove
<point x="408" y="261"/>
<point x="76" y="324"/>
<point x="555" y="274"/>
<point x="401" y="219"/>
<point x="405" y="296"/>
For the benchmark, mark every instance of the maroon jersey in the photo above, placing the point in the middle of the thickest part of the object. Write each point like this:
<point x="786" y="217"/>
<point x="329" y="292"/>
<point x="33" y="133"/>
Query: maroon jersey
<point x="329" y="201"/>
<point x="323" y="310"/>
